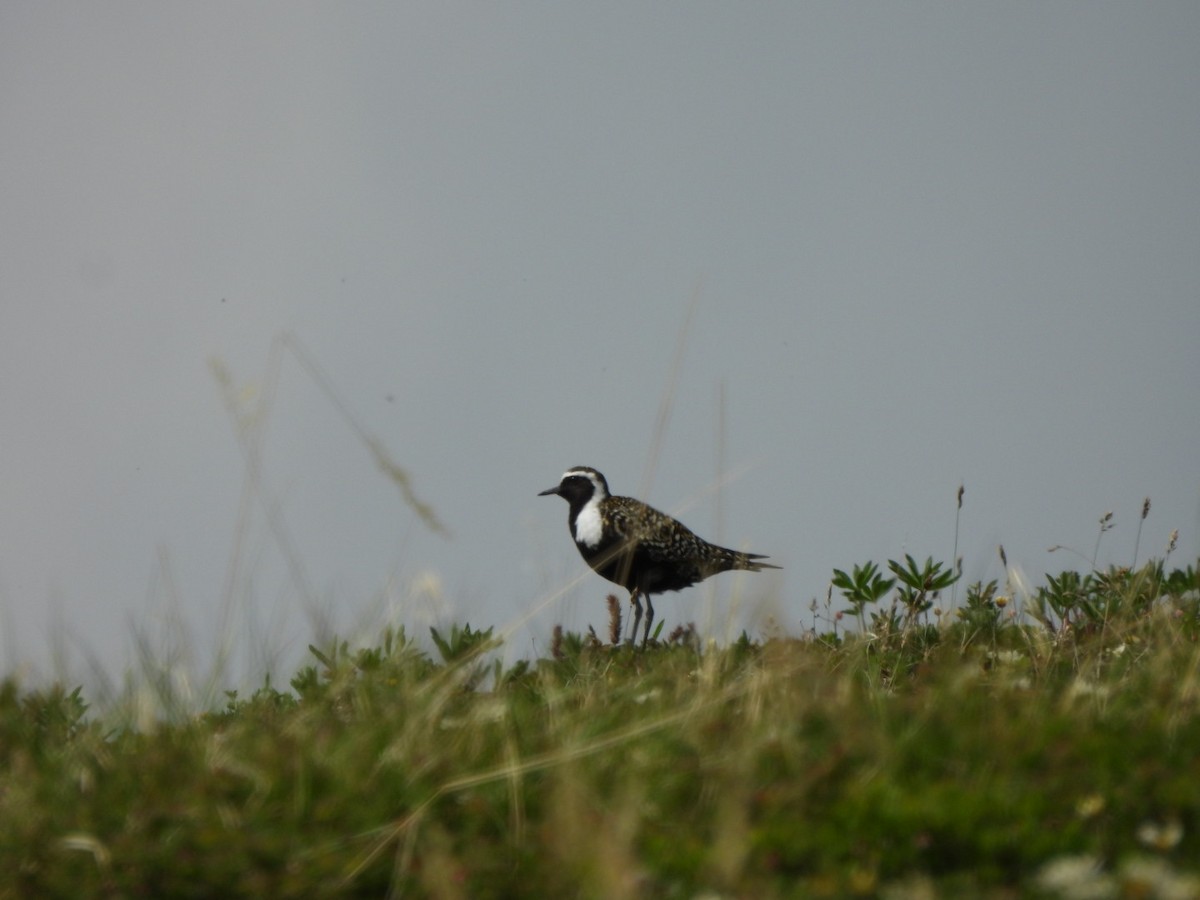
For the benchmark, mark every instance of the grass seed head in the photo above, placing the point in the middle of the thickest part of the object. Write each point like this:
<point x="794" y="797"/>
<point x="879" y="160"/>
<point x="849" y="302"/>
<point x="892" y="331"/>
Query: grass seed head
<point x="614" y="619"/>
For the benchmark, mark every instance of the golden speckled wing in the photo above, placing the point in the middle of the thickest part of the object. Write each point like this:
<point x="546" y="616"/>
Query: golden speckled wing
<point x="659" y="537"/>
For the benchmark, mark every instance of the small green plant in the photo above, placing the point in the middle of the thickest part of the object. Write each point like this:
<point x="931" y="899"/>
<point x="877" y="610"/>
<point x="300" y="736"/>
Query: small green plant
<point x="982" y="613"/>
<point x="865" y="585"/>
<point x="920" y="585"/>
<point x="1061" y="600"/>
<point x="462" y="643"/>
<point x="39" y="722"/>
<point x="463" y="649"/>
<point x="265" y="700"/>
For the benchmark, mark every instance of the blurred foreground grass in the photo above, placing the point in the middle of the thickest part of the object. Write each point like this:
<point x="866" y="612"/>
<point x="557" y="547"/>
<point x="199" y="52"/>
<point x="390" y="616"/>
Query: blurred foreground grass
<point x="1051" y="750"/>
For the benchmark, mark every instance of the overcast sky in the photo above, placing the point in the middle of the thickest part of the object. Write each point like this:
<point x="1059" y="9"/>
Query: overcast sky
<point x="901" y="246"/>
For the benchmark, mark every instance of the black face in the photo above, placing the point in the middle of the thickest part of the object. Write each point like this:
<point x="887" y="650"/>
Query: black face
<point x="575" y="489"/>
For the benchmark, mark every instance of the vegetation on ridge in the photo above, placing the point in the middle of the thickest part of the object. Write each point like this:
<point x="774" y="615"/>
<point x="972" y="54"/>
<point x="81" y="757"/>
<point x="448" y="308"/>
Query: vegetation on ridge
<point x="1048" y="749"/>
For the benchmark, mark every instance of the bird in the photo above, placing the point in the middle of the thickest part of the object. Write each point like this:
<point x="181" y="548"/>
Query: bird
<point x="634" y="545"/>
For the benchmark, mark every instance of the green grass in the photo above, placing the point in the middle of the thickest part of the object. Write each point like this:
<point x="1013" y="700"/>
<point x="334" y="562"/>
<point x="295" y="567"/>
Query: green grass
<point x="990" y="751"/>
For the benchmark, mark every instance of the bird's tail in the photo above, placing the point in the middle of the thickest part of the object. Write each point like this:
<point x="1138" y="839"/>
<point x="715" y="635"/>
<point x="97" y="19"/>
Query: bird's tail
<point x="748" y="562"/>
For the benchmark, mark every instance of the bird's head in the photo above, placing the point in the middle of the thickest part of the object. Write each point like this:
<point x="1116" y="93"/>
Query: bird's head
<point x="579" y="485"/>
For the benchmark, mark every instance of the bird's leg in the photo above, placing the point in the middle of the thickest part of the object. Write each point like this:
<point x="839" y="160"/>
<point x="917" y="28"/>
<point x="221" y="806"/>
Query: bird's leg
<point x="637" y="614"/>
<point x="649" y="620"/>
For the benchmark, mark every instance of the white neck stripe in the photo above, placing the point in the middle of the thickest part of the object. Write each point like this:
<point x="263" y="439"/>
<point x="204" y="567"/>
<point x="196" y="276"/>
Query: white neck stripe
<point x="589" y="527"/>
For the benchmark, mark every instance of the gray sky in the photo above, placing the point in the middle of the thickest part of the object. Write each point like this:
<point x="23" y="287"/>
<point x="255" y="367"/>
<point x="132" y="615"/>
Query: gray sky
<point x="925" y="243"/>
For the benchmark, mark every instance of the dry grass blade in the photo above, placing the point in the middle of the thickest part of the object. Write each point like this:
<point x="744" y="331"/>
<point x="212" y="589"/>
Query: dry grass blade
<point x="383" y="460"/>
<point x="667" y="403"/>
<point x="507" y="772"/>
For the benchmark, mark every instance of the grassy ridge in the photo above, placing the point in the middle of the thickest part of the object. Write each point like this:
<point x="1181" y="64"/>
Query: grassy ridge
<point x="1051" y="751"/>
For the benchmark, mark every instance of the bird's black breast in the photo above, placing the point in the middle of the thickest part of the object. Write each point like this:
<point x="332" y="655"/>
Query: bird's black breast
<point x="638" y="566"/>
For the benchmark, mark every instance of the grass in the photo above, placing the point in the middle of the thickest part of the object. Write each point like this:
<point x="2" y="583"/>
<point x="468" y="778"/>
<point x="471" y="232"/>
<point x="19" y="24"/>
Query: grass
<point x="1022" y="742"/>
<point x="1048" y="750"/>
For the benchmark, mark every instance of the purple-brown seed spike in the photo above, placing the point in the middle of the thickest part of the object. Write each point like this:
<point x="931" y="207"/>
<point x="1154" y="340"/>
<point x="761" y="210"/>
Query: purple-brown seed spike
<point x="614" y="619"/>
